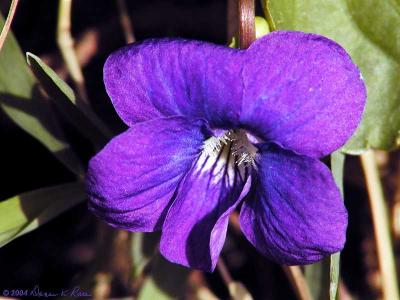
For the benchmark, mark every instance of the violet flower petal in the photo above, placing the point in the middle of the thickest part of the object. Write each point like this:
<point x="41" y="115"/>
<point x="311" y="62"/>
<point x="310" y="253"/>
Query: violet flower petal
<point x="302" y="91"/>
<point x="194" y="230"/>
<point x="167" y="77"/>
<point x="294" y="213"/>
<point x="130" y="183"/>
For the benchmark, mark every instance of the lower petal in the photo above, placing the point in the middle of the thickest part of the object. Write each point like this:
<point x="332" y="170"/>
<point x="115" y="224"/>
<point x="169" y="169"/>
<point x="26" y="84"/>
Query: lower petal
<point x="195" y="228"/>
<point x="294" y="213"/>
<point x="131" y="182"/>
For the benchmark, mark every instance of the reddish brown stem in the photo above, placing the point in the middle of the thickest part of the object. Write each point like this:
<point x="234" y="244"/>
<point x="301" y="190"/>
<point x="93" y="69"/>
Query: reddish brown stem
<point x="247" y="30"/>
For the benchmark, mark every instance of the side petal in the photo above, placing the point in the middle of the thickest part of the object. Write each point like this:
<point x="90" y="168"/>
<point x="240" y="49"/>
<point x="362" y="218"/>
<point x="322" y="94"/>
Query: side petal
<point x="195" y="228"/>
<point x="302" y="91"/>
<point x="166" y="77"/>
<point x="294" y="213"/>
<point x="131" y="182"/>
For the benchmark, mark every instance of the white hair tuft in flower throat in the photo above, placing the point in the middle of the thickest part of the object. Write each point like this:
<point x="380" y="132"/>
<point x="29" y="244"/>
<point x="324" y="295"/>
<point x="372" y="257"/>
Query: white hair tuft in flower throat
<point x="243" y="151"/>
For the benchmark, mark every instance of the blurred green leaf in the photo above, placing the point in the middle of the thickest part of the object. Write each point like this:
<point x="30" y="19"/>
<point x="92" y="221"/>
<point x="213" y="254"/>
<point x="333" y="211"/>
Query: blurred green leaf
<point x="23" y="103"/>
<point x="267" y="12"/>
<point x="143" y="248"/>
<point x="76" y="112"/>
<point x="262" y="27"/>
<point x="370" y="33"/>
<point x="167" y="281"/>
<point x="317" y="277"/>
<point x="337" y="166"/>
<point x="26" y="212"/>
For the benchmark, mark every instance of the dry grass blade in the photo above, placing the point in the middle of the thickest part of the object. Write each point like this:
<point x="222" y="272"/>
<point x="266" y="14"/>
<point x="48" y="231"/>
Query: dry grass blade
<point x="66" y="44"/>
<point x="8" y="22"/>
<point x="381" y="227"/>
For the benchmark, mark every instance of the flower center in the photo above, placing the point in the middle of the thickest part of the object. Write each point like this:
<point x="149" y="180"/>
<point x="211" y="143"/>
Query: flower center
<point x="235" y="143"/>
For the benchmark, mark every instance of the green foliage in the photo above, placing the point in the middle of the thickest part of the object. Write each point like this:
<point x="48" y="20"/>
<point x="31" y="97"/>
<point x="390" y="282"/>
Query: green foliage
<point x="76" y="112"/>
<point x="317" y="277"/>
<point x="369" y="32"/>
<point x="262" y="27"/>
<point x="23" y="103"/>
<point x="26" y="212"/>
<point x="166" y="281"/>
<point x="143" y="248"/>
<point x="337" y="166"/>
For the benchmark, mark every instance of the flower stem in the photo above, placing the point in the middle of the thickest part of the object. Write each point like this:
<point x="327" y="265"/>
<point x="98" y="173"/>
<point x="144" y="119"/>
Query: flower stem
<point x="381" y="227"/>
<point x="7" y="24"/>
<point x="247" y="28"/>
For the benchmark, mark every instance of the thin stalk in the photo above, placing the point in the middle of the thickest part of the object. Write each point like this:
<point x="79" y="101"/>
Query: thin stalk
<point x="66" y="45"/>
<point x="125" y="21"/>
<point x="224" y="272"/>
<point x="7" y="23"/>
<point x="236" y="289"/>
<point x="247" y="27"/>
<point x="381" y="227"/>
<point x="298" y="282"/>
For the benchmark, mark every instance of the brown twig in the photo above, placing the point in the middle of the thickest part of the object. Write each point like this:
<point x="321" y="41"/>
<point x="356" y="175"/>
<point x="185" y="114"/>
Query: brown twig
<point x="7" y="23"/>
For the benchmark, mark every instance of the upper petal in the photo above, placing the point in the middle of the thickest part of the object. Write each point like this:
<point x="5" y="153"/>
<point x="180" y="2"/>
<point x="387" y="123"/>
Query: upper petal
<point x="130" y="183"/>
<point x="195" y="228"/>
<point x="167" y="77"/>
<point x="302" y="91"/>
<point x="294" y="213"/>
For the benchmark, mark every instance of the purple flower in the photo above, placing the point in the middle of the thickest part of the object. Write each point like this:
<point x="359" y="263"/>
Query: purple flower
<point x="212" y="127"/>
